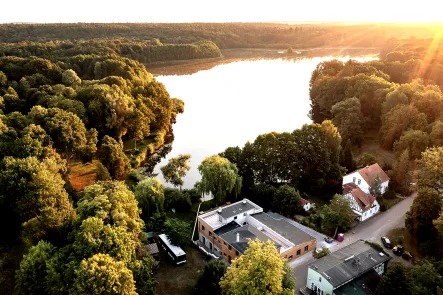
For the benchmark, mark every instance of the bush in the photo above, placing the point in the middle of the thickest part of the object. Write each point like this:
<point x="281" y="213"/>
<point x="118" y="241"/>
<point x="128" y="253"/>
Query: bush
<point x="193" y="195"/>
<point x="376" y="246"/>
<point x="322" y="253"/>
<point x="389" y="194"/>
<point x="178" y="200"/>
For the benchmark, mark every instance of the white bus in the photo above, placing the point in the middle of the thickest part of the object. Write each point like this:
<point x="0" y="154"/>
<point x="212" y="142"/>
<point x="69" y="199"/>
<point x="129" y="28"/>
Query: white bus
<point x="176" y="253"/>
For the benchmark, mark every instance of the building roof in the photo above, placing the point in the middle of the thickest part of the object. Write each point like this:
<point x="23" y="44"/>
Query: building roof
<point x="363" y="199"/>
<point x="284" y="228"/>
<point x="235" y="209"/>
<point x="369" y="173"/>
<point x="348" y="263"/>
<point x="303" y="201"/>
<point x="244" y="233"/>
<point x="226" y="228"/>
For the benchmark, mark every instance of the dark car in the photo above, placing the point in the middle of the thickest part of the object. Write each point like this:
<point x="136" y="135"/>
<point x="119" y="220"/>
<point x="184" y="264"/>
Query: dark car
<point x="386" y="242"/>
<point x="329" y="240"/>
<point x="406" y="255"/>
<point x="398" y="250"/>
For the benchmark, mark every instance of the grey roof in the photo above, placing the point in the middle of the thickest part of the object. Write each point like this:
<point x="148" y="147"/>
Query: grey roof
<point x="226" y="228"/>
<point x="245" y="232"/>
<point x="235" y="209"/>
<point x="284" y="228"/>
<point x="348" y="263"/>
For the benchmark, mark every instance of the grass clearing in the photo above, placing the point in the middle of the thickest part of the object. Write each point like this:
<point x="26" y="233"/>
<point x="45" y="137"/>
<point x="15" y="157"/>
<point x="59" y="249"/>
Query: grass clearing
<point x="401" y="236"/>
<point x="179" y="279"/>
<point x="390" y="202"/>
<point x="82" y="174"/>
<point x="371" y="145"/>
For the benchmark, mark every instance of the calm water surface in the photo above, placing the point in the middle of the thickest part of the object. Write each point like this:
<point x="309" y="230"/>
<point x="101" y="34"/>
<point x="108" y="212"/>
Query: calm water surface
<point x="231" y="104"/>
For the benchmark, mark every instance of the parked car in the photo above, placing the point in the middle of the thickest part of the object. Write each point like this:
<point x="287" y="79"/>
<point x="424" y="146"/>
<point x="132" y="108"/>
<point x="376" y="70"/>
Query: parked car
<point x="329" y="240"/>
<point x="398" y="250"/>
<point x="406" y="255"/>
<point x="386" y="242"/>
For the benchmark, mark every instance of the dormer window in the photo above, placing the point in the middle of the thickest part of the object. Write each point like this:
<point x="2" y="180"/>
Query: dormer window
<point x="359" y="181"/>
<point x="220" y="218"/>
<point x="353" y="179"/>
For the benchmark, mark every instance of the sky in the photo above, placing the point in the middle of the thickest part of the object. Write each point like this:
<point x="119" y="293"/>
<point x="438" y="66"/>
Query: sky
<point x="51" y="11"/>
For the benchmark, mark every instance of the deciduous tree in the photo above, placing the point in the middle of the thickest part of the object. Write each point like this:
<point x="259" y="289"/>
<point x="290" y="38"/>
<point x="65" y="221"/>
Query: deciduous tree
<point x="150" y="196"/>
<point x="176" y="169"/>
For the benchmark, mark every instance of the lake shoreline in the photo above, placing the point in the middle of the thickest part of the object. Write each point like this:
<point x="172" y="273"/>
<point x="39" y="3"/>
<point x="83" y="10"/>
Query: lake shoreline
<point x="190" y="66"/>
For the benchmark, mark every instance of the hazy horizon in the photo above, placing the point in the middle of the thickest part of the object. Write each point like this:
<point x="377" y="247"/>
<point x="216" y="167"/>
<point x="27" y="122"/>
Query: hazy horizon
<point x="174" y="11"/>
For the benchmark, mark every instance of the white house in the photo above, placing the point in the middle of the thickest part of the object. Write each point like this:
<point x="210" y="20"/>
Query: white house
<point x="305" y="204"/>
<point x="346" y="271"/>
<point x="363" y="204"/>
<point x="366" y="177"/>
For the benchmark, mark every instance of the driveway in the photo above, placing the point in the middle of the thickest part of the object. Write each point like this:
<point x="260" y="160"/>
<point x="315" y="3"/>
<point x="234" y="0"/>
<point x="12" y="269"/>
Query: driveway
<point x="372" y="229"/>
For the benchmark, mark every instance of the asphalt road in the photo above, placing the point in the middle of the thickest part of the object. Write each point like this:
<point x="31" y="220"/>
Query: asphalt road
<point x="372" y="229"/>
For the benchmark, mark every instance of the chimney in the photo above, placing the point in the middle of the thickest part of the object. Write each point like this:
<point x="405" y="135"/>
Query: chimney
<point x="238" y="237"/>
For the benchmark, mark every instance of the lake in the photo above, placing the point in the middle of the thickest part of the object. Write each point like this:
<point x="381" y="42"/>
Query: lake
<point x="233" y="103"/>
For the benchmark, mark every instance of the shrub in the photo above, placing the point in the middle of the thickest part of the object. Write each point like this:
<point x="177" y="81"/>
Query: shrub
<point x="323" y="252"/>
<point x="389" y="194"/>
<point x="376" y="246"/>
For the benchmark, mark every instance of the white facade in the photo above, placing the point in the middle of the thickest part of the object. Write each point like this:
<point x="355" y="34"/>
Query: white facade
<point x="375" y="208"/>
<point x="307" y="206"/>
<point x="356" y="178"/>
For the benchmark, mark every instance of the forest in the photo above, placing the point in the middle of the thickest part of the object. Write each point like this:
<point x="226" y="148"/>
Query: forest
<point x="224" y="35"/>
<point x="56" y="110"/>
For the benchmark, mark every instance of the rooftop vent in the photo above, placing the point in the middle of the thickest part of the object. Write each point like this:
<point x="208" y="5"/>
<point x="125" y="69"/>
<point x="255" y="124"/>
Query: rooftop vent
<point x="285" y="234"/>
<point x="244" y="202"/>
<point x="381" y="254"/>
<point x="240" y="209"/>
<point x="349" y="258"/>
<point x="219" y="210"/>
<point x="260" y="228"/>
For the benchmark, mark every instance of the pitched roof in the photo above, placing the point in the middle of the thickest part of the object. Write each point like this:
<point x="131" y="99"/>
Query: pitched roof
<point x="303" y="201"/>
<point x="348" y="263"/>
<point x="363" y="199"/>
<point x="369" y="173"/>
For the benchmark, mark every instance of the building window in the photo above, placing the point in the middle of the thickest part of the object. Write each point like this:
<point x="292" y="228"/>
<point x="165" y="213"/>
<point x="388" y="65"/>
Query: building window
<point x="319" y="279"/>
<point x="236" y="253"/>
<point x="353" y="179"/>
<point x="210" y="234"/>
<point x="203" y="227"/>
<point x="235" y="217"/>
<point x="229" y="258"/>
<point x="306" y="248"/>
<point x="244" y="214"/>
<point x="298" y="252"/>
<point x="224" y="243"/>
<point x="290" y="257"/>
<point x="229" y="247"/>
<point x="224" y="254"/>
<point x="359" y="181"/>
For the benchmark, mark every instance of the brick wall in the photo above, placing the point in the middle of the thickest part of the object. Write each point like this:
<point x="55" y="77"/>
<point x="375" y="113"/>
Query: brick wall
<point x="291" y="254"/>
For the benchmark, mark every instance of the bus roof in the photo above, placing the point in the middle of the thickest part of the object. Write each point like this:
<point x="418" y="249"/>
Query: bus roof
<point x="175" y="249"/>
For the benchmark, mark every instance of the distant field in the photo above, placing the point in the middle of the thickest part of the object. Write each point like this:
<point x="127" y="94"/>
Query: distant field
<point x="82" y="174"/>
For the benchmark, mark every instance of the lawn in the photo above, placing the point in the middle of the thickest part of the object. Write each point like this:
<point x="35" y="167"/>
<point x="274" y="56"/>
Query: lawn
<point x="371" y="145"/>
<point x="401" y="236"/>
<point x="390" y="202"/>
<point x="179" y="279"/>
<point x="82" y="174"/>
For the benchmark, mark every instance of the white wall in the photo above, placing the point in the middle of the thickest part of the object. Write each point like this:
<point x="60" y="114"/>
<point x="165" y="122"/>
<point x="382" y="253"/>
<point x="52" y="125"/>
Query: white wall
<point x="364" y="186"/>
<point x="384" y="186"/>
<point x="307" y="206"/>
<point x="371" y="212"/>
<point x="315" y="277"/>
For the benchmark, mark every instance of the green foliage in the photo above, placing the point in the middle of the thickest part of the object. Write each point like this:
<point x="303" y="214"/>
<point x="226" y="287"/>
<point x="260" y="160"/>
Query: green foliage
<point x="348" y="119"/>
<point x="114" y="159"/>
<point x="365" y="160"/>
<point x="208" y="283"/>
<point x="178" y="200"/>
<point x="347" y="158"/>
<point x="30" y="278"/>
<point x="219" y="177"/>
<point x="259" y="270"/>
<point x="101" y="274"/>
<point x="415" y="141"/>
<point x="70" y="78"/>
<point x="156" y="222"/>
<point x="263" y="194"/>
<point x="178" y="232"/>
<point x="402" y="177"/>
<point x="287" y="201"/>
<point x="323" y="252"/>
<point x="376" y="246"/>
<point x="394" y="281"/>
<point x="176" y="169"/>
<point x="33" y="194"/>
<point x="150" y="196"/>
<point x="101" y="173"/>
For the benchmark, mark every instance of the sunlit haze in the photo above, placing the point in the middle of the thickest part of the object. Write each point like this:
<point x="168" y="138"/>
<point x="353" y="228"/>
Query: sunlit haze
<point x="49" y="11"/>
